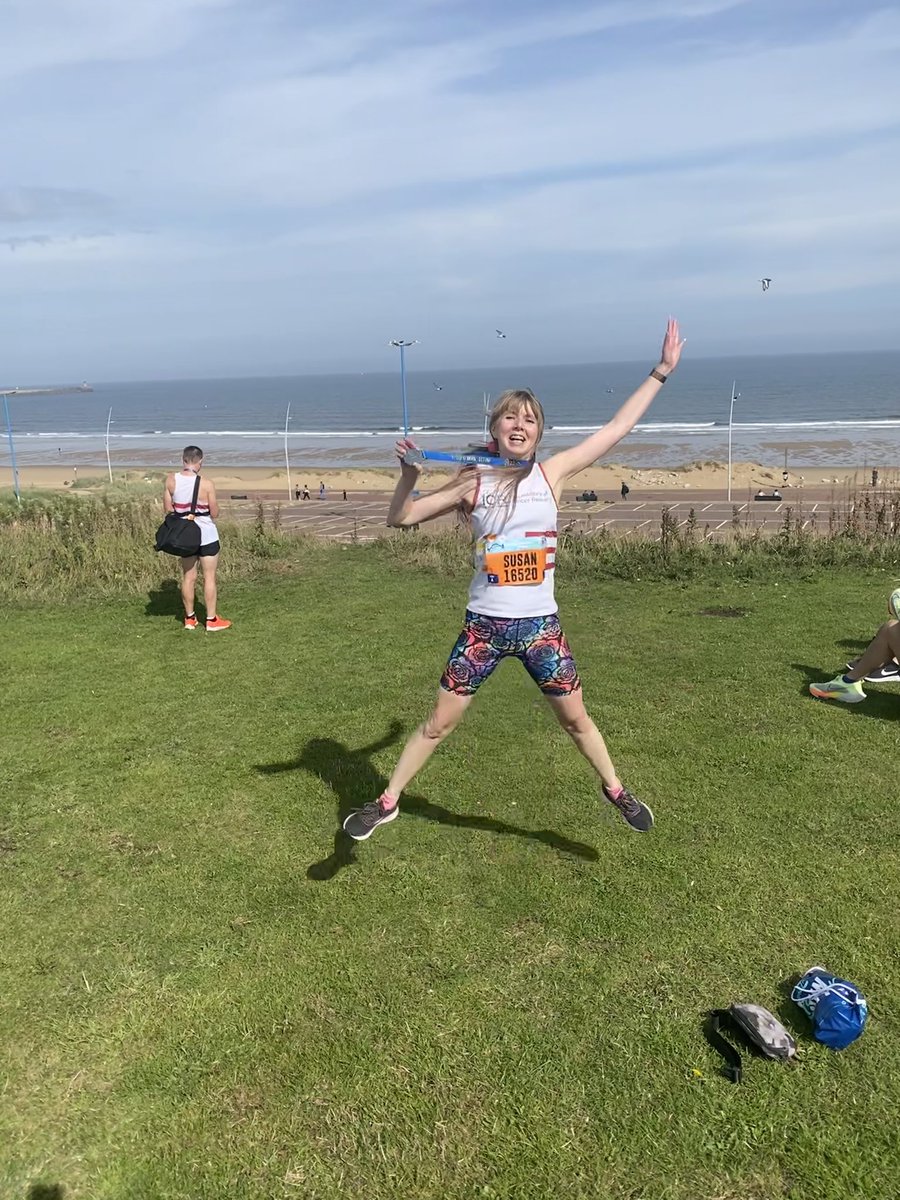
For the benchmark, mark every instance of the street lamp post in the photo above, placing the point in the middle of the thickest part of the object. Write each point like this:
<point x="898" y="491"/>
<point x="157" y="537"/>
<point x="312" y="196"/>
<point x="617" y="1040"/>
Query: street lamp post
<point x="734" y="396"/>
<point x="12" y="448"/>
<point x="401" y="346"/>
<point x="108" y="462"/>
<point x="39" y="391"/>
<point x="287" y="459"/>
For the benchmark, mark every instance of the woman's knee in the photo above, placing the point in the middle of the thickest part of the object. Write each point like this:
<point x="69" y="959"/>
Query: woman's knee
<point x="575" y="723"/>
<point x="441" y="723"/>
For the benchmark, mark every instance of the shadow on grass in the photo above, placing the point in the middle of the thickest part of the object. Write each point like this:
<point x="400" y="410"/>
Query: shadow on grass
<point x="355" y="781"/>
<point x="165" y="600"/>
<point x="790" y="1013"/>
<point x="885" y="706"/>
<point x="46" y="1191"/>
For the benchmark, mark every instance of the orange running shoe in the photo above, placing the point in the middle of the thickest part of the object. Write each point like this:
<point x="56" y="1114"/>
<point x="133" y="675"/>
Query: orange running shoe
<point x="217" y="623"/>
<point x="191" y="622"/>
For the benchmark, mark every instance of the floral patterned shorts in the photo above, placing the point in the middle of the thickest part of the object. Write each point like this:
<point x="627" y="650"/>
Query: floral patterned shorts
<point x="538" y="642"/>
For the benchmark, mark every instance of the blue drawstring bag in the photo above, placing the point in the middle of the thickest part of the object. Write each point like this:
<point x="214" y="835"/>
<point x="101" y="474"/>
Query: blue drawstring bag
<point x="835" y="1007"/>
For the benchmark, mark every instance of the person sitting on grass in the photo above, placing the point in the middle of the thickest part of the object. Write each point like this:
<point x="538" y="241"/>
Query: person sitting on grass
<point x="877" y="664"/>
<point x="512" y="610"/>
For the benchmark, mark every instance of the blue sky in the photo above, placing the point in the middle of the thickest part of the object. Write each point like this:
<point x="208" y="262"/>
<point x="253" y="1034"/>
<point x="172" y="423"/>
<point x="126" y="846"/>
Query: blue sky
<point x="218" y="187"/>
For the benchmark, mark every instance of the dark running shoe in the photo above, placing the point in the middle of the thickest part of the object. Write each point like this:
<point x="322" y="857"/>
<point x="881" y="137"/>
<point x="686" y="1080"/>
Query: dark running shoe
<point x="636" y="813"/>
<point x="362" y="823"/>
<point x="888" y="673"/>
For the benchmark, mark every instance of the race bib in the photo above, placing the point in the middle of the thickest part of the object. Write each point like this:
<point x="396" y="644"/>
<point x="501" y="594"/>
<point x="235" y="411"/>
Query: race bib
<point x="515" y="564"/>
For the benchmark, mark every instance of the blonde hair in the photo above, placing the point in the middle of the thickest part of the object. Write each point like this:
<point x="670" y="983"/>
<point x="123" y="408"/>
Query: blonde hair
<point x="516" y="400"/>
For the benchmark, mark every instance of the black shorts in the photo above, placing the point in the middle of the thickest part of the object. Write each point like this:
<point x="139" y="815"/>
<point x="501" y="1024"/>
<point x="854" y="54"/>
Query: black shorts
<point x="209" y="550"/>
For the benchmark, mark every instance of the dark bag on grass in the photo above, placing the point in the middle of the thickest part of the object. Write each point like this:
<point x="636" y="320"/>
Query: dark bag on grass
<point x="180" y="535"/>
<point x="758" y="1026"/>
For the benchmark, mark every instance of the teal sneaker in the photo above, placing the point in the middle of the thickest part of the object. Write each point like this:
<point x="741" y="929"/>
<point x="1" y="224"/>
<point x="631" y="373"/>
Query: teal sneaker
<point x="837" y="689"/>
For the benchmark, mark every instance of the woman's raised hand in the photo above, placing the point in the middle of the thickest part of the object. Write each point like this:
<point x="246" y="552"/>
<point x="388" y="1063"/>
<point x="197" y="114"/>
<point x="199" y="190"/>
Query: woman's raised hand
<point x="671" y="347"/>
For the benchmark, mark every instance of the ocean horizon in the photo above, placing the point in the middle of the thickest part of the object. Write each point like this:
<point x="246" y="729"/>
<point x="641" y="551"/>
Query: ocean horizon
<point x="807" y="409"/>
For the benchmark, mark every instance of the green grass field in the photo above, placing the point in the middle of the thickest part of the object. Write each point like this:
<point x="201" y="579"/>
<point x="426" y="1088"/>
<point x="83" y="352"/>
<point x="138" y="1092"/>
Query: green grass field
<point x="206" y="993"/>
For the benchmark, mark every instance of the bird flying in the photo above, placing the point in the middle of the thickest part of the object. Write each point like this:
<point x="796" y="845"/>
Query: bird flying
<point x="765" y="284"/>
<point x="500" y="333"/>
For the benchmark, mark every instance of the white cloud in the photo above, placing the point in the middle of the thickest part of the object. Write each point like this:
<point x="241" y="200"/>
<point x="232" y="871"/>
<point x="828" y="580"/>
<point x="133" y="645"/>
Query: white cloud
<point x="296" y="173"/>
<point x="414" y="119"/>
<point x="58" y="33"/>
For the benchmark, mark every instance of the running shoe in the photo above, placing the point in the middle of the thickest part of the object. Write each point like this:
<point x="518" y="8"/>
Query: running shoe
<point x="888" y="673"/>
<point x="216" y="624"/>
<point x="634" y="811"/>
<point x="191" y="622"/>
<point x="363" y="822"/>
<point x="837" y="689"/>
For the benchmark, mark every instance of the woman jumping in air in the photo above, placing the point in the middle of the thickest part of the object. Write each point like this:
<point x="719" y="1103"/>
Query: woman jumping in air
<point x="512" y="611"/>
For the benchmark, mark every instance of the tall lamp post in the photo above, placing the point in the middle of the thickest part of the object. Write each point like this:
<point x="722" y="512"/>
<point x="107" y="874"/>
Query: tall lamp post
<point x="734" y="396"/>
<point x="46" y="391"/>
<point x="12" y="447"/>
<point x="402" y="346"/>
<point x="287" y="457"/>
<point x="108" y="460"/>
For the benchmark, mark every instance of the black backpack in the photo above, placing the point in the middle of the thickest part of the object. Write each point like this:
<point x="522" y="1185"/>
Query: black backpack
<point x="180" y="535"/>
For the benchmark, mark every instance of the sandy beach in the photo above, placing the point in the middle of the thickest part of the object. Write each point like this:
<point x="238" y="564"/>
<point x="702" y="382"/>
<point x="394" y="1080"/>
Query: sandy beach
<point x="706" y="477"/>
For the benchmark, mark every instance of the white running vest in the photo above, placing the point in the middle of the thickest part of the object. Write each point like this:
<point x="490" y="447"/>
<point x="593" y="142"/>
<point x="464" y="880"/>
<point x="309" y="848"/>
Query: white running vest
<point x="515" y="548"/>
<point x="181" y="502"/>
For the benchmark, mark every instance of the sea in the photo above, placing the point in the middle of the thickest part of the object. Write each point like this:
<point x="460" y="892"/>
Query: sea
<point x="789" y="411"/>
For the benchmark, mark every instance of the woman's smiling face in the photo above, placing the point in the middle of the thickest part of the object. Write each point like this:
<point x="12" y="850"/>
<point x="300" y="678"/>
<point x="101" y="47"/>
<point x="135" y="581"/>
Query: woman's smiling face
<point x="517" y="431"/>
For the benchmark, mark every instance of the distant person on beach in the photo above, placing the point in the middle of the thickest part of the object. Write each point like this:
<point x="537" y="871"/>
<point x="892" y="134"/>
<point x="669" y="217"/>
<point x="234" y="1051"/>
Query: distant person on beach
<point x="345" y="494"/>
<point x="321" y="491"/>
<point x="624" y="490"/>
<point x="297" y="492"/>
<point x="177" y="497"/>
<point x="512" y="610"/>
<point x="875" y="478"/>
<point x="878" y="663"/>
<point x="305" y="492"/>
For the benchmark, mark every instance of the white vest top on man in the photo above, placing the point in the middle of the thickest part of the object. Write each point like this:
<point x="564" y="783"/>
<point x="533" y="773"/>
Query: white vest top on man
<point x="181" y="502"/>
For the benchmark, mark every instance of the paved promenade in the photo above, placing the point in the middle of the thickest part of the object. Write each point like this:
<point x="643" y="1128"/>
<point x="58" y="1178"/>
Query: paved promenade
<point x="362" y="515"/>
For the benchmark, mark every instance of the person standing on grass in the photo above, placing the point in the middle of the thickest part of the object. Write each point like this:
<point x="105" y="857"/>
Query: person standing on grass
<point x="177" y="497"/>
<point x="512" y="610"/>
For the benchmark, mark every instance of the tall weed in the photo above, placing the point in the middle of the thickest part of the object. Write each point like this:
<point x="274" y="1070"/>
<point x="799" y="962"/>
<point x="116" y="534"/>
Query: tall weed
<point x="59" y="546"/>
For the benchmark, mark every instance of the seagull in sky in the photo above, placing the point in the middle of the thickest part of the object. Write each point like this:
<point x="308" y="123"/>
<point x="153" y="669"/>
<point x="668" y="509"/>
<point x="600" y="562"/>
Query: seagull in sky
<point x="437" y="387"/>
<point x="765" y="284"/>
<point x="500" y="333"/>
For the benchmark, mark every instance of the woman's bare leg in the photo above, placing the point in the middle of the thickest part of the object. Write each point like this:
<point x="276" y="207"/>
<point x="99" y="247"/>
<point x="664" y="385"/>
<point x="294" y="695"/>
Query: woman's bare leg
<point x="447" y="713"/>
<point x="574" y="718"/>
